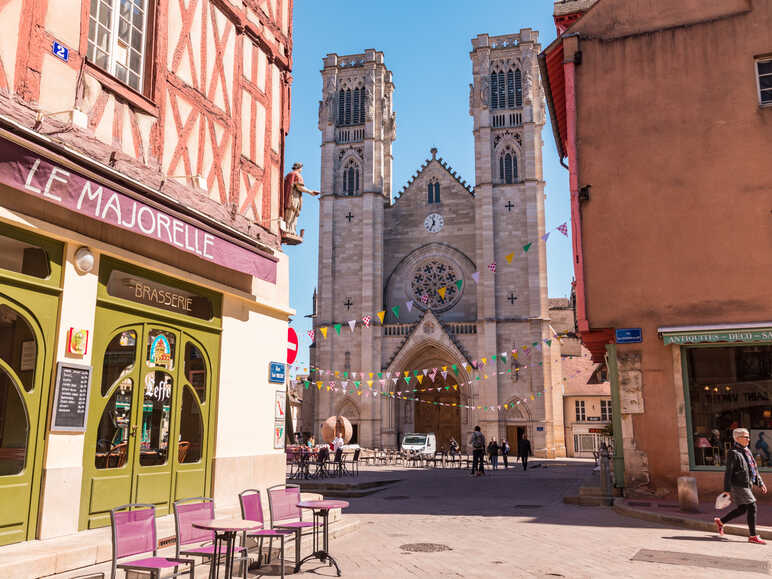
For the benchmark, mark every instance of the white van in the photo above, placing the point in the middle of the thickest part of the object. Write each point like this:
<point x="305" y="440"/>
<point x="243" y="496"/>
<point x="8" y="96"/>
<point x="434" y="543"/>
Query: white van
<point x="420" y="443"/>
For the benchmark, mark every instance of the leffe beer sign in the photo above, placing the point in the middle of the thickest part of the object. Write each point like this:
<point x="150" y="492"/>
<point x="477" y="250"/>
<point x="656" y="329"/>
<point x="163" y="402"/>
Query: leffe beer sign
<point x="34" y="175"/>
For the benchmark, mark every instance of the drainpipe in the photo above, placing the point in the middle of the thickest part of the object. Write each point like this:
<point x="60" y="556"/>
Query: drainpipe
<point x="570" y="48"/>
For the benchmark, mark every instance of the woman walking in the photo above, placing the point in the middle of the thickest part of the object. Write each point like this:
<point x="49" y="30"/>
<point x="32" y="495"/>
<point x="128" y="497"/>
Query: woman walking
<point x="741" y="473"/>
<point x="505" y="449"/>
<point x="493" y="453"/>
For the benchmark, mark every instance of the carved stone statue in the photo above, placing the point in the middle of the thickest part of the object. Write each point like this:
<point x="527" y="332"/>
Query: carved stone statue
<point x="293" y="196"/>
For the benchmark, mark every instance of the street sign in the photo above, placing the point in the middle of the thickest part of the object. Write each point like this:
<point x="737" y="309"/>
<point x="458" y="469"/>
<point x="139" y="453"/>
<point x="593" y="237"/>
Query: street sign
<point x="60" y="51"/>
<point x="629" y="336"/>
<point x="292" y="346"/>
<point x="277" y="373"/>
<point x="539" y="429"/>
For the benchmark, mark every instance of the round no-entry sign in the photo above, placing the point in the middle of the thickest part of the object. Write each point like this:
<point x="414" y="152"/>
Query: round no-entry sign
<point x="292" y="346"/>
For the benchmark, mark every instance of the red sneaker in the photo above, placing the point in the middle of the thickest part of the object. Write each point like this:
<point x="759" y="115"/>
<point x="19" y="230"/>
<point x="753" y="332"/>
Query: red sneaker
<point x="719" y="526"/>
<point x="757" y="540"/>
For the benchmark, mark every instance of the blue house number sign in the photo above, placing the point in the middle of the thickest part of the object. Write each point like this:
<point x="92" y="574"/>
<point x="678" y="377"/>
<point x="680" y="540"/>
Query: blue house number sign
<point x="277" y="373"/>
<point x="60" y="51"/>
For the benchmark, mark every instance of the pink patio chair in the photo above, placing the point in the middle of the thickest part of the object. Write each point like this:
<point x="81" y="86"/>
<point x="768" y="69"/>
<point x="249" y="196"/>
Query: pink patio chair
<point x="285" y="514"/>
<point x="200" y="542"/>
<point x="252" y="510"/>
<point x="133" y="529"/>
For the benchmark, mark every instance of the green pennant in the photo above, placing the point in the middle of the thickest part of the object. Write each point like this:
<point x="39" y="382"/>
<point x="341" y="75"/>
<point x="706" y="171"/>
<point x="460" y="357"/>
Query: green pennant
<point x="407" y="380"/>
<point x="527" y="246"/>
<point x="478" y="377"/>
<point x="455" y="369"/>
<point x="459" y="283"/>
<point x="415" y="373"/>
<point x="357" y="384"/>
<point x="549" y="342"/>
<point x="493" y="357"/>
<point x="345" y="374"/>
<point x="380" y="374"/>
<point x="395" y="309"/>
<point x="509" y="371"/>
<point x="534" y="344"/>
<point x="503" y="357"/>
<point x="447" y="387"/>
<point x="541" y="363"/>
<point x="306" y="384"/>
<point x="337" y="328"/>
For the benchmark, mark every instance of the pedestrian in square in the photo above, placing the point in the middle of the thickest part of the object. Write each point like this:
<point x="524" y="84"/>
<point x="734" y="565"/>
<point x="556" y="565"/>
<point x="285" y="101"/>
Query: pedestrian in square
<point x="493" y="453"/>
<point x="524" y="450"/>
<point x="740" y="476"/>
<point x="505" y="449"/>
<point x="478" y="452"/>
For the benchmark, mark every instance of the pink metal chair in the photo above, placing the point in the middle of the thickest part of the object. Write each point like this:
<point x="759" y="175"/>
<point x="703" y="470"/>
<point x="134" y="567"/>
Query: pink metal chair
<point x="285" y="514"/>
<point x="200" y="542"/>
<point x="133" y="528"/>
<point x="252" y="510"/>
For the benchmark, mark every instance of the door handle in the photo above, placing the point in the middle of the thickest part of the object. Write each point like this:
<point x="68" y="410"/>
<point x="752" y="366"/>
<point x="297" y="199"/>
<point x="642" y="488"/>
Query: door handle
<point x="133" y="431"/>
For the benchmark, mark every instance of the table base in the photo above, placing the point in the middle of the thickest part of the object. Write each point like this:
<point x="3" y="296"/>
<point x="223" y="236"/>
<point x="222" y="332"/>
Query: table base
<point x="322" y="556"/>
<point x="321" y="551"/>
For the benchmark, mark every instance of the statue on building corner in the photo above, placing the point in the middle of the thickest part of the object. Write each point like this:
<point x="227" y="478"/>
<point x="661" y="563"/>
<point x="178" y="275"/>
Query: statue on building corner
<point x="293" y="197"/>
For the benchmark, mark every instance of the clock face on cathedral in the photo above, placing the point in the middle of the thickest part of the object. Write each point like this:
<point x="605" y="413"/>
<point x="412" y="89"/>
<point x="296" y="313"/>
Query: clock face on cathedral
<point x="434" y="222"/>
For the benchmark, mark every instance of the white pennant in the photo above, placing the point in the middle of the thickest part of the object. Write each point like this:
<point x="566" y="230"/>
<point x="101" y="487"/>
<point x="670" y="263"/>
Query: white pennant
<point x="464" y="364"/>
<point x="352" y="324"/>
<point x="409" y="306"/>
<point x="425" y="371"/>
<point x="444" y="375"/>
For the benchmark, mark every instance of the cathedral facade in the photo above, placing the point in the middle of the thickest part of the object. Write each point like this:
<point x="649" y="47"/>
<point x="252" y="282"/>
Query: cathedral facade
<point x="378" y="251"/>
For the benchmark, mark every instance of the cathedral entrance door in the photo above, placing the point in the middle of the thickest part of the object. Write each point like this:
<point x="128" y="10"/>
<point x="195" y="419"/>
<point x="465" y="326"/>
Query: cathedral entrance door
<point x="444" y="421"/>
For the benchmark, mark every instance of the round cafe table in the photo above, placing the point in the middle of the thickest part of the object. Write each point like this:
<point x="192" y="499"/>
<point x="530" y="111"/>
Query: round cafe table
<point x="225" y="531"/>
<point x="321" y="511"/>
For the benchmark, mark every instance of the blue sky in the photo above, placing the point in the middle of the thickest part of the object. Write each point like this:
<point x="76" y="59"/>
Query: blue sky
<point x="426" y="44"/>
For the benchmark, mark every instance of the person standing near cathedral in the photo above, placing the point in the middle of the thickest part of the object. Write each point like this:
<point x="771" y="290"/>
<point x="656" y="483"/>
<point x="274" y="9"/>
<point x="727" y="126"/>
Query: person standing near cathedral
<point x="505" y="449"/>
<point x="493" y="453"/>
<point x="478" y="452"/>
<point x="524" y="450"/>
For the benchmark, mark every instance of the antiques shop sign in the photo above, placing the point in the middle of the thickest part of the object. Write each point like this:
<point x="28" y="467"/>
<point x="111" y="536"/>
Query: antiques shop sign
<point x="23" y="170"/>
<point x="755" y="335"/>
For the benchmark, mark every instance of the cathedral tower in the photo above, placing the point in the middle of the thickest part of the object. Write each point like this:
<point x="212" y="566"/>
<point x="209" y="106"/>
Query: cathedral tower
<point x="358" y="128"/>
<point x="507" y="104"/>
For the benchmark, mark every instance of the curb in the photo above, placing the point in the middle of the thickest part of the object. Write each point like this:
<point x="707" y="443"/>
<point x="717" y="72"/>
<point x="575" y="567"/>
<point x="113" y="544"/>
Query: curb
<point x="686" y="522"/>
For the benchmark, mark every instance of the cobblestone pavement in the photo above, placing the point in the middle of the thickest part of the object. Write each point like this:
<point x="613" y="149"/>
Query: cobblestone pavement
<point x="514" y="524"/>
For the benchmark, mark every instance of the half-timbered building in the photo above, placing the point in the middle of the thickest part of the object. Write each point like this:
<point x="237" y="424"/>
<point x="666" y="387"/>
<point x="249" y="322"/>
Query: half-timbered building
<point x="143" y="287"/>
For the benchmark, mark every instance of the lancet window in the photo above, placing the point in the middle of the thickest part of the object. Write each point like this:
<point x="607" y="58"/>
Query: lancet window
<point x="434" y="191"/>
<point x="351" y="177"/>
<point x="351" y="106"/>
<point x="508" y="166"/>
<point x="506" y="89"/>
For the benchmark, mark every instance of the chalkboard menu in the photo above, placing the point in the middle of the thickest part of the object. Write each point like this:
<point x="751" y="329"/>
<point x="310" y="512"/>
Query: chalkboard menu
<point x="71" y="398"/>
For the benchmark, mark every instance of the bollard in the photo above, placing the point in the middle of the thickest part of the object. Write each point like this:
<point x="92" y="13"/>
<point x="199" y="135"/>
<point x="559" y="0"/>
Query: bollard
<point x="688" y="497"/>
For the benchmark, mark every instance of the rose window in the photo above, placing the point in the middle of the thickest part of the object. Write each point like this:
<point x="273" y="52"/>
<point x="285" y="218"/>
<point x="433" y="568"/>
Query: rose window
<point x="428" y="278"/>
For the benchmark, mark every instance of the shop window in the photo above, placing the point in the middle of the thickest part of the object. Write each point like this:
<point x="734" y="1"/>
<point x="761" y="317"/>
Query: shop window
<point x="18" y="346"/>
<point x="195" y="370"/>
<point x="20" y="257"/>
<point x="191" y="429"/>
<point x="116" y="39"/>
<point x="113" y="433"/>
<point x="156" y="419"/>
<point x="580" y="411"/>
<point x="119" y="359"/>
<point x="14" y="427"/>
<point x="729" y="387"/>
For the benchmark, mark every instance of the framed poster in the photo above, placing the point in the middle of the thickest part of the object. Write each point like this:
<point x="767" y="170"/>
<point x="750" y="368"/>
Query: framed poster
<point x="279" y="406"/>
<point x="278" y="435"/>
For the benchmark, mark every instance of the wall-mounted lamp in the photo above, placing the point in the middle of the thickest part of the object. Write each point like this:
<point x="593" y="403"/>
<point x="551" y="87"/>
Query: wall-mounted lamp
<point x="84" y="260"/>
<point x="584" y="193"/>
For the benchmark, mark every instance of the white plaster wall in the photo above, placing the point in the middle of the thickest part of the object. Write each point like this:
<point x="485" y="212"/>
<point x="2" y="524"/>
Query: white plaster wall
<point x="65" y="30"/>
<point x="63" y="468"/>
<point x="275" y="107"/>
<point x="57" y="86"/>
<point x="10" y="15"/>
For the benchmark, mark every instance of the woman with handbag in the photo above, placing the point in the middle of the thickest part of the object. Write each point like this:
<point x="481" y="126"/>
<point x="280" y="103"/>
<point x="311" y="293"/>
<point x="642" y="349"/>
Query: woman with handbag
<point x="741" y="473"/>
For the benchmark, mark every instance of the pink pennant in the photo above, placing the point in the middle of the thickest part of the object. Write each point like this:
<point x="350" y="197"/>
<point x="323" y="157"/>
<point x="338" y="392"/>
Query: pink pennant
<point x="563" y="228"/>
<point x="366" y="320"/>
<point x="311" y="334"/>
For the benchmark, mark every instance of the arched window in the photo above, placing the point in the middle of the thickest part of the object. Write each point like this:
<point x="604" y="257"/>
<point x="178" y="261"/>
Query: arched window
<point x="351" y="177"/>
<point x="494" y="90"/>
<point x="502" y="91"/>
<point x="518" y="88"/>
<point x="362" y="105"/>
<point x="356" y="106"/>
<point x="434" y="192"/>
<point x="510" y="89"/>
<point x="508" y="166"/>
<point x="341" y="106"/>
<point x="347" y="119"/>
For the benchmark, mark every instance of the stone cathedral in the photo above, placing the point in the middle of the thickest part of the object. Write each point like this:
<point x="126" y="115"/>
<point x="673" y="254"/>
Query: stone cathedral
<point x="378" y="250"/>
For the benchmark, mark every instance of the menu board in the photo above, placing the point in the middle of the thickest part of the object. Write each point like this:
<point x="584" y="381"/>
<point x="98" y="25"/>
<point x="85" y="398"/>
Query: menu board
<point x="71" y="397"/>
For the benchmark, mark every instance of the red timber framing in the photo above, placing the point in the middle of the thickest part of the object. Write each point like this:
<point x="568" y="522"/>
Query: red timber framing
<point x="195" y="129"/>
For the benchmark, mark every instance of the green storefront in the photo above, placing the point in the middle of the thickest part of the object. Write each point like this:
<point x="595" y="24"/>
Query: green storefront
<point x="30" y="287"/>
<point x="151" y="413"/>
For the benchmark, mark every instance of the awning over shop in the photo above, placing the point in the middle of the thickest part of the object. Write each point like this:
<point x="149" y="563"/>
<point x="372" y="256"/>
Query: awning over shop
<point x="708" y="334"/>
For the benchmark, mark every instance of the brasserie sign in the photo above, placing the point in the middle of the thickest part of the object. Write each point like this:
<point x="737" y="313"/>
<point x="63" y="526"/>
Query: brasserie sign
<point x="21" y="169"/>
<point x="756" y="335"/>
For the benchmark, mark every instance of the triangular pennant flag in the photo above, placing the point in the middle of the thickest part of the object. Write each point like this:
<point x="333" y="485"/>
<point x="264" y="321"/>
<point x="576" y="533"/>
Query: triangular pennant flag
<point x="455" y="386"/>
<point x="382" y="383"/>
<point x="381" y="315"/>
<point x="433" y="375"/>
<point x="407" y="373"/>
<point x="420" y="379"/>
<point x="319" y="385"/>
<point x="370" y="384"/>
<point x="407" y="380"/>
<point x="357" y="384"/>
<point x="444" y="375"/>
<point x="310" y="334"/>
<point x="548" y="342"/>
<point x="527" y="246"/>
<point x="455" y="369"/>
<point x="493" y="357"/>
<point x="409" y="305"/>
<point x="464" y="364"/>
<point x="359" y="392"/>
<point x="324" y="332"/>
<point x="545" y="236"/>
<point x="306" y="383"/>
<point x="563" y="228"/>
<point x="337" y="328"/>
<point x="442" y="291"/>
<point x="476" y="277"/>
<point x="503" y="355"/>
<point x="509" y="257"/>
<point x="459" y="283"/>
<point x="484" y="361"/>
<point x="425" y="371"/>
<point x="366" y="320"/>
<point x="352" y="324"/>
<point x="415" y="372"/>
<point x="345" y="374"/>
<point x="395" y="311"/>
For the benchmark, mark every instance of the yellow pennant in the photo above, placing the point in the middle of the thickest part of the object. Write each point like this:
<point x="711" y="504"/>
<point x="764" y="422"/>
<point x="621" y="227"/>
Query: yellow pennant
<point x="532" y="397"/>
<point x="486" y="377"/>
<point x="336" y="372"/>
<point x="442" y="291"/>
<point x="515" y="355"/>
<point x="319" y="385"/>
<point x="370" y="384"/>
<point x="407" y="373"/>
<point x="324" y="332"/>
<point x="444" y="368"/>
<point x="359" y="392"/>
<point x="328" y="388"/>
<point x="381" y="315"/>
<point x="509" y="257"/>
<point x="455" y="387"/>
<point x="371" y="374"/>
<point x="420" y="378"/>
<point x="485" y="360"/>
